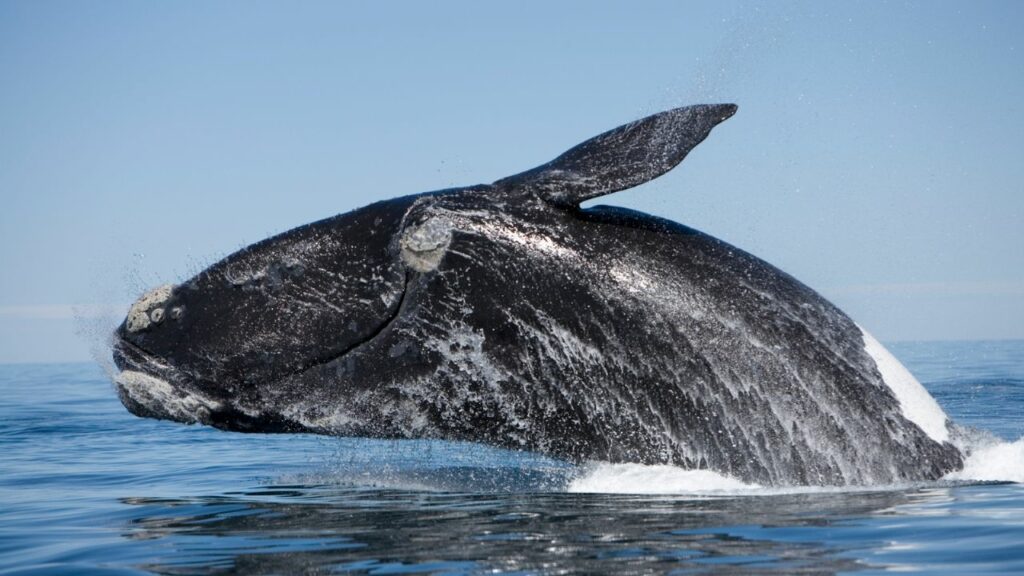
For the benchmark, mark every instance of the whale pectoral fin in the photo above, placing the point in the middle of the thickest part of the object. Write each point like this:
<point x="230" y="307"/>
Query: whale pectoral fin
<point x="621" y="158"/>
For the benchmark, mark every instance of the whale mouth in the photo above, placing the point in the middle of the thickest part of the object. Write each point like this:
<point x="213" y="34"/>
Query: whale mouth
<point x="150" y="388"/>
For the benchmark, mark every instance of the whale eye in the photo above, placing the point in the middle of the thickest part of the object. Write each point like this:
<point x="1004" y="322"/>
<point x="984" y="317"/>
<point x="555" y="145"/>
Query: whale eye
<point x="424" y="244"/>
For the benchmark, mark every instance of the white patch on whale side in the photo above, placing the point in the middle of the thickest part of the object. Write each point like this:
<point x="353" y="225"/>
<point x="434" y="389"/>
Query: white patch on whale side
<point x="161" y="397"/>
<point x="916" y="403"/>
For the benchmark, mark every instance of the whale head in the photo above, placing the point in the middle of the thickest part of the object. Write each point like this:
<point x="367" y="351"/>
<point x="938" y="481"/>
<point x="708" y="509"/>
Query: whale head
<point x="266" y="338"/>
<point x="200" y="350"/>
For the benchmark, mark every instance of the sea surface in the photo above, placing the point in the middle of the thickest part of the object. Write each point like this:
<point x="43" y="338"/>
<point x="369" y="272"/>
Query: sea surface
<point x="86" y="488"/>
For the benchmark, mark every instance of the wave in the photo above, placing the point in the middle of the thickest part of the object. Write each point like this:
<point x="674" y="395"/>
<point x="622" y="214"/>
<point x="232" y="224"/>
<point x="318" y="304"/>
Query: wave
<point x="989" y="460"/>
<point x="653" y="479"/>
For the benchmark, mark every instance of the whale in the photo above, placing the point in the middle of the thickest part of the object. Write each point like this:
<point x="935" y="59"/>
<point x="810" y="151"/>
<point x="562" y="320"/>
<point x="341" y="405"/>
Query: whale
<point x="507" y="314"/>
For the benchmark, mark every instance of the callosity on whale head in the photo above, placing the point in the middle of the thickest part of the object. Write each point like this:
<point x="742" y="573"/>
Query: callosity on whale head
<point x="506" y="314"/>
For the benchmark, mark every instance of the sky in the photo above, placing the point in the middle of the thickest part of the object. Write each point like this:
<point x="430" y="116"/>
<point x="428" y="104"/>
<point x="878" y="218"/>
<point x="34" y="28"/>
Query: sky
<point x="877" y="155"/>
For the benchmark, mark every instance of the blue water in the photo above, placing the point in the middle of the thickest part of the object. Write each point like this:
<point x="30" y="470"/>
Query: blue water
<point x="87" y="488"/>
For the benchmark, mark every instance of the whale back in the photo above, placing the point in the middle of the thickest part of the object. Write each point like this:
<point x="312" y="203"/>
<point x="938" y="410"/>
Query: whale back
<point x="620" y="337"/>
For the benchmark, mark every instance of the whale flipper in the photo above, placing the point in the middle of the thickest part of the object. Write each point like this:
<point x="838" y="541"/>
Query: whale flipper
<point x="621" y="158"/>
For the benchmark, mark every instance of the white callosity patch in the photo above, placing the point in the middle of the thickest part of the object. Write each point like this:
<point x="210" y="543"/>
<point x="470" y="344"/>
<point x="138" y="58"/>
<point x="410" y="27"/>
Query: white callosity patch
<point x="161" y="397"/>
<point x="916" y="403"/>
<point x="146" y="310"/>
<point x="424" y="245"/>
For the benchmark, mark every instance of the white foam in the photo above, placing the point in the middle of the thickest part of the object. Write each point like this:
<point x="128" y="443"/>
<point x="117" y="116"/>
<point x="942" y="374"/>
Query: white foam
<point x="655" y="479"/>
<point x="990" y="460"/>
<point x="994" y="462"/>
<point x="916" y="403"/>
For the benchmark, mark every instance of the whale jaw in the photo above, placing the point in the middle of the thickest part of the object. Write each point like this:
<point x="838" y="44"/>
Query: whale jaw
<point x="147" y="396"/>
<point x="151" y="388"/>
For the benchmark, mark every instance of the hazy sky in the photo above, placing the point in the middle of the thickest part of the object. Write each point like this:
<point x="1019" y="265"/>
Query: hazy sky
<point x="878" y="152"/>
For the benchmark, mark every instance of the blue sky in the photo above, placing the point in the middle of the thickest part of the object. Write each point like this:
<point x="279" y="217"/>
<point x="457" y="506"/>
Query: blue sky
<point x="876" y="154"/>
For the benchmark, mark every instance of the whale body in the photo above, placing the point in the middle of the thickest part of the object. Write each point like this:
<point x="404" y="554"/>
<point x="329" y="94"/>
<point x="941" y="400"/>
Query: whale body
<point x="506" y="314"/>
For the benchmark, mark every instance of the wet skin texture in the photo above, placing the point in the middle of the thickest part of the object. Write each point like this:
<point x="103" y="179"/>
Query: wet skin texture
<point x="507" y="315"/>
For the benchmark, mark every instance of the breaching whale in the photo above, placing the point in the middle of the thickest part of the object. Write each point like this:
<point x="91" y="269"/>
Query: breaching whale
<point x="508" y="315"/>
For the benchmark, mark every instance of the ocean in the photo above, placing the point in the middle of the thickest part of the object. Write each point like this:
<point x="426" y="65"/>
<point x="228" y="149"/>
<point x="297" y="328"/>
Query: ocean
<point x="86" y="488"/>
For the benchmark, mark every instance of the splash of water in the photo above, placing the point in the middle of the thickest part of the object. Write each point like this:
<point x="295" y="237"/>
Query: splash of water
<point x="994" y="461"/>
<point x="989" y="460"/>
<point x="656" y="479"/>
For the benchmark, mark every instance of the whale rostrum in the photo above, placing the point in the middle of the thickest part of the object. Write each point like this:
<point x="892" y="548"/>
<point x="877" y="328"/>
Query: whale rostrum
<point x="506" y="314"/>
